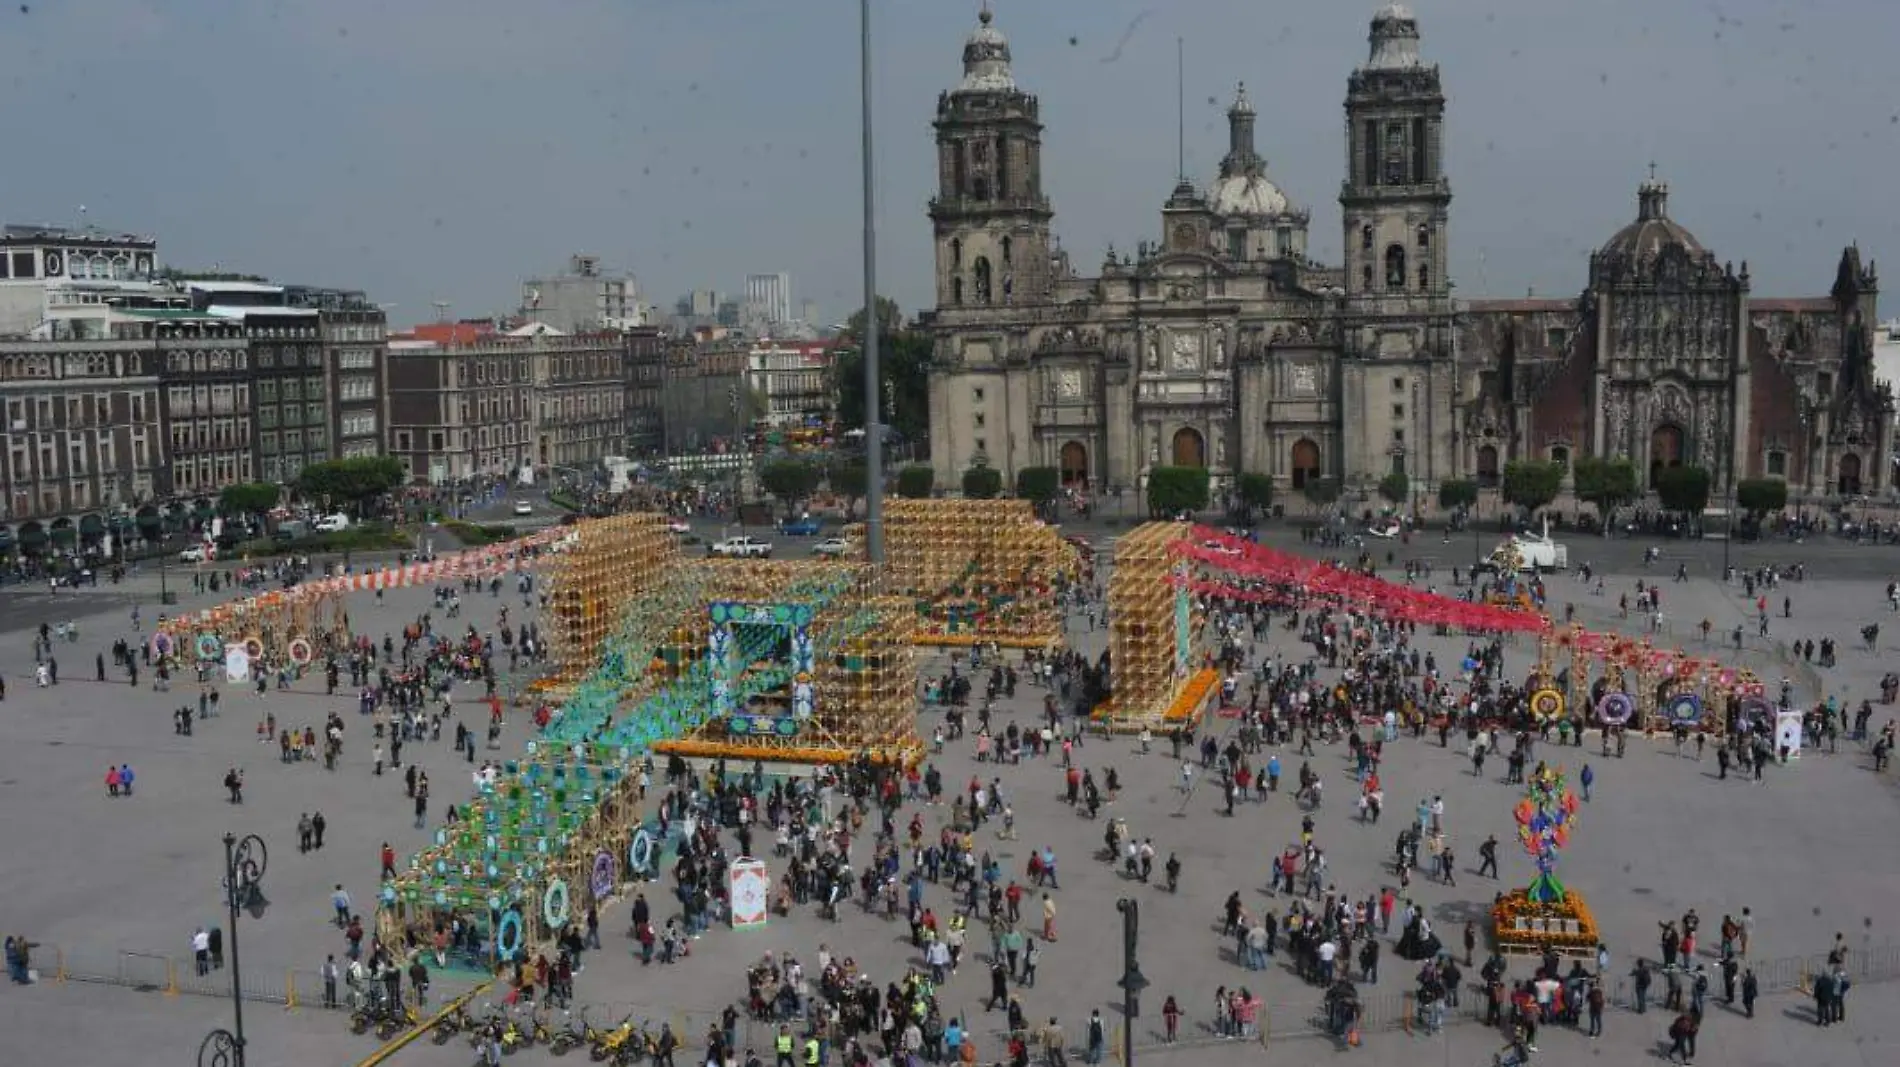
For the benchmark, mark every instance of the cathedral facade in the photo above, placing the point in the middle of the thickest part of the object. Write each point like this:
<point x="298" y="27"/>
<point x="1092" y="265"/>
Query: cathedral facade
<point x="1223" y="345"/>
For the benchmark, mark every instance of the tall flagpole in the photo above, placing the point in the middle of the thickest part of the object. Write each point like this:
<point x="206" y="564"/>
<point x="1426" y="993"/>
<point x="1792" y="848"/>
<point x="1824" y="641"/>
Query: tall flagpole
<point x="873" y="390"/>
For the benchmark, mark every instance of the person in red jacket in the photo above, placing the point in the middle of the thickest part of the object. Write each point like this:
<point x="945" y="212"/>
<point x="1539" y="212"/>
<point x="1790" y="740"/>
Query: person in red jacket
<point x="389" y="861"/>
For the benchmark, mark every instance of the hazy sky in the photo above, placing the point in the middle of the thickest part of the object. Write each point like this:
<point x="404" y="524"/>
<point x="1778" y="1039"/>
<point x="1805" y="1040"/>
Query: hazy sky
<point x="444" y="149"/>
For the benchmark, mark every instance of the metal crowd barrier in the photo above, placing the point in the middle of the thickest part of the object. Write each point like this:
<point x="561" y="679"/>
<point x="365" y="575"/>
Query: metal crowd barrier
<point x="1382" y="1008"/>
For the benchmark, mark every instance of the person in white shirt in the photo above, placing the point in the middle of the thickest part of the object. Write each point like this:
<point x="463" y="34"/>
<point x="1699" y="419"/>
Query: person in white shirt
<point x="201" y="951"/>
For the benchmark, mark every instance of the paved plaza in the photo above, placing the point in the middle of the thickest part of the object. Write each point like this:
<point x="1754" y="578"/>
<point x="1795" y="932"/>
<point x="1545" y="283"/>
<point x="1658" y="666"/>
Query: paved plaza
<point x="109" y="881"/>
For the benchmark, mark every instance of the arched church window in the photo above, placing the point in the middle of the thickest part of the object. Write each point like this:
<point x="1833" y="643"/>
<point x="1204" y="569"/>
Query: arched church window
<point x="1006" y="249"/>
<point x="956" y="253"/>
<point x="982" y="279"/>
<point x="1395" y="155"/>
<point x="1365" y="238"/>
<point x="1365" y="276"/>
<point x="980" y="187"/>
<point x="1424" y="236"/>
<point x="1424" y="276"/>
<point x="1395" y="267"/>
<point x="956" y="290"/>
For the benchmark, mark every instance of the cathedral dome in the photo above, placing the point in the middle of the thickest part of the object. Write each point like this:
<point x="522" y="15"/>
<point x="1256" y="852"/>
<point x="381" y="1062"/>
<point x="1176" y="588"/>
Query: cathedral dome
<point x="986" y="59"/>
<point x="1653" y="229"/>
<point x="1249" y="194"/>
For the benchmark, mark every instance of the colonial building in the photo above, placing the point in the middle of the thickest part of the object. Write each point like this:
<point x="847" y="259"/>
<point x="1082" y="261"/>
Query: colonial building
<point x="82" y="443"/>
<point x="795" y="379"/>
<point x="53" y="276"/>
<point x="354" y="334"/>
<point x="491" y="404"/>
<point x="1224" y="345"/>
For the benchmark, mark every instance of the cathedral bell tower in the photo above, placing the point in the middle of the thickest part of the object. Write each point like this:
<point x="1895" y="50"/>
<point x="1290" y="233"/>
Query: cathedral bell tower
<point x="1395" y="201"/>
<point x="990" y="217"/>
<point x="1397" y="379"/>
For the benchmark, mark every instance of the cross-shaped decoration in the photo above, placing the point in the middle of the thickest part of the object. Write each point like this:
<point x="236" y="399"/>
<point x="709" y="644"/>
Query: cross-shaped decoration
<point x="1652" y="170"/>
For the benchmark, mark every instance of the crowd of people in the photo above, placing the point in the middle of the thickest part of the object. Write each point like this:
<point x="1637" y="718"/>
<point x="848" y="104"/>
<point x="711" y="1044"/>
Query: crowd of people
<point x="1308" y="689"/>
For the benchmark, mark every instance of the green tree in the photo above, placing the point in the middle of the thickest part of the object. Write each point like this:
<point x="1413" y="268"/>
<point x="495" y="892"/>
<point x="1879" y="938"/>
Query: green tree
<point x="982" y="482"/>
<point x="1176" y="490"/>
<point x="1038" y="485"/>
<point x="1607" y="483"/>
<point x="1395" y="487"/>
<point x="903" y="371"/>
<point x="849" y="479"/>
<point x="1455" y="494"/>
<point x="1532" y="483"/>
<point x="1254" y="492"/>
<point x="1683" y="489"/>
<point x="1321" y="492"/>
<point x="354" y="482"/>
<point x="916" y="481"/>
<point x="1759" y="496"/>
<point x="789" y="481"/>
<point x="248" y="498"/>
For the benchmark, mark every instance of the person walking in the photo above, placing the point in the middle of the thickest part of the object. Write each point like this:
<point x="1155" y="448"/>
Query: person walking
<point x="317" y="824"/>
<point x="1682" y="1038"/>
<point x="1053" y="1045"/>
<point x="1097" y="1038"/>
<point x="329" y="981"/>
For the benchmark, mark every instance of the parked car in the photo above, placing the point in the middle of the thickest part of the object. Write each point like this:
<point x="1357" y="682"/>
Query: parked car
<point x="194" y="554"/>
<point x="741" y="548"/>
<point x="805" y="527"/>
<point x="522" y="507"/>
<point x="831" y="546"/>
<point x="333" y="523"/>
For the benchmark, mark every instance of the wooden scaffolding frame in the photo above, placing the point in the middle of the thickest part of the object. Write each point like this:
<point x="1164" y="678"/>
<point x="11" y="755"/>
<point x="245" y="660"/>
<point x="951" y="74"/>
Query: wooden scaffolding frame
<point x="596" y="571"/>
<point x="864" y="679"/>
<point x="1150" y="678"/>
<point x="977" y="571"/>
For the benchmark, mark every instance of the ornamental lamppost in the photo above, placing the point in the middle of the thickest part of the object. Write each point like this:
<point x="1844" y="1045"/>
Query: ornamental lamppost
<point x="1132" y="980"/>
<point x="244" y="863"/>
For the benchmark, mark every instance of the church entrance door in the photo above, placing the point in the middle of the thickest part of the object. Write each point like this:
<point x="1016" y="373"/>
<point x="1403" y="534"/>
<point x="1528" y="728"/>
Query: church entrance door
<point x="1075" y="465"/>
<point x="1665" y="449"/>
<point x="1849" y="482"/>
<point x="1305" y="463"/>
<point x="1488" y="466"/>
<point x="1190" y="449"/>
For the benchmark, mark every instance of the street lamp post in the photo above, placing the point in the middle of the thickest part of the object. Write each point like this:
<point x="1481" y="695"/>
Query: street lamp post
<point x="1132" y="980"/>
<point x="244" y="863"/>
<point x="1729" y="510"/>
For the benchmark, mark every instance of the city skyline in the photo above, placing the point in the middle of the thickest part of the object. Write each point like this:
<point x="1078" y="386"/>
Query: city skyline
<point x="730" y="151"/>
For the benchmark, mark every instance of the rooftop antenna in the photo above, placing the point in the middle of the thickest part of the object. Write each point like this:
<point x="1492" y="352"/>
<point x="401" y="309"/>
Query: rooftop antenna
<point x="1180" y="109"/>
<point x="441" y="310"/>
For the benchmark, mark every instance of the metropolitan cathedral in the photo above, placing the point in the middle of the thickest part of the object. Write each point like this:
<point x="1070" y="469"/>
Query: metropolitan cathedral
<point x="1223" y="345"/>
